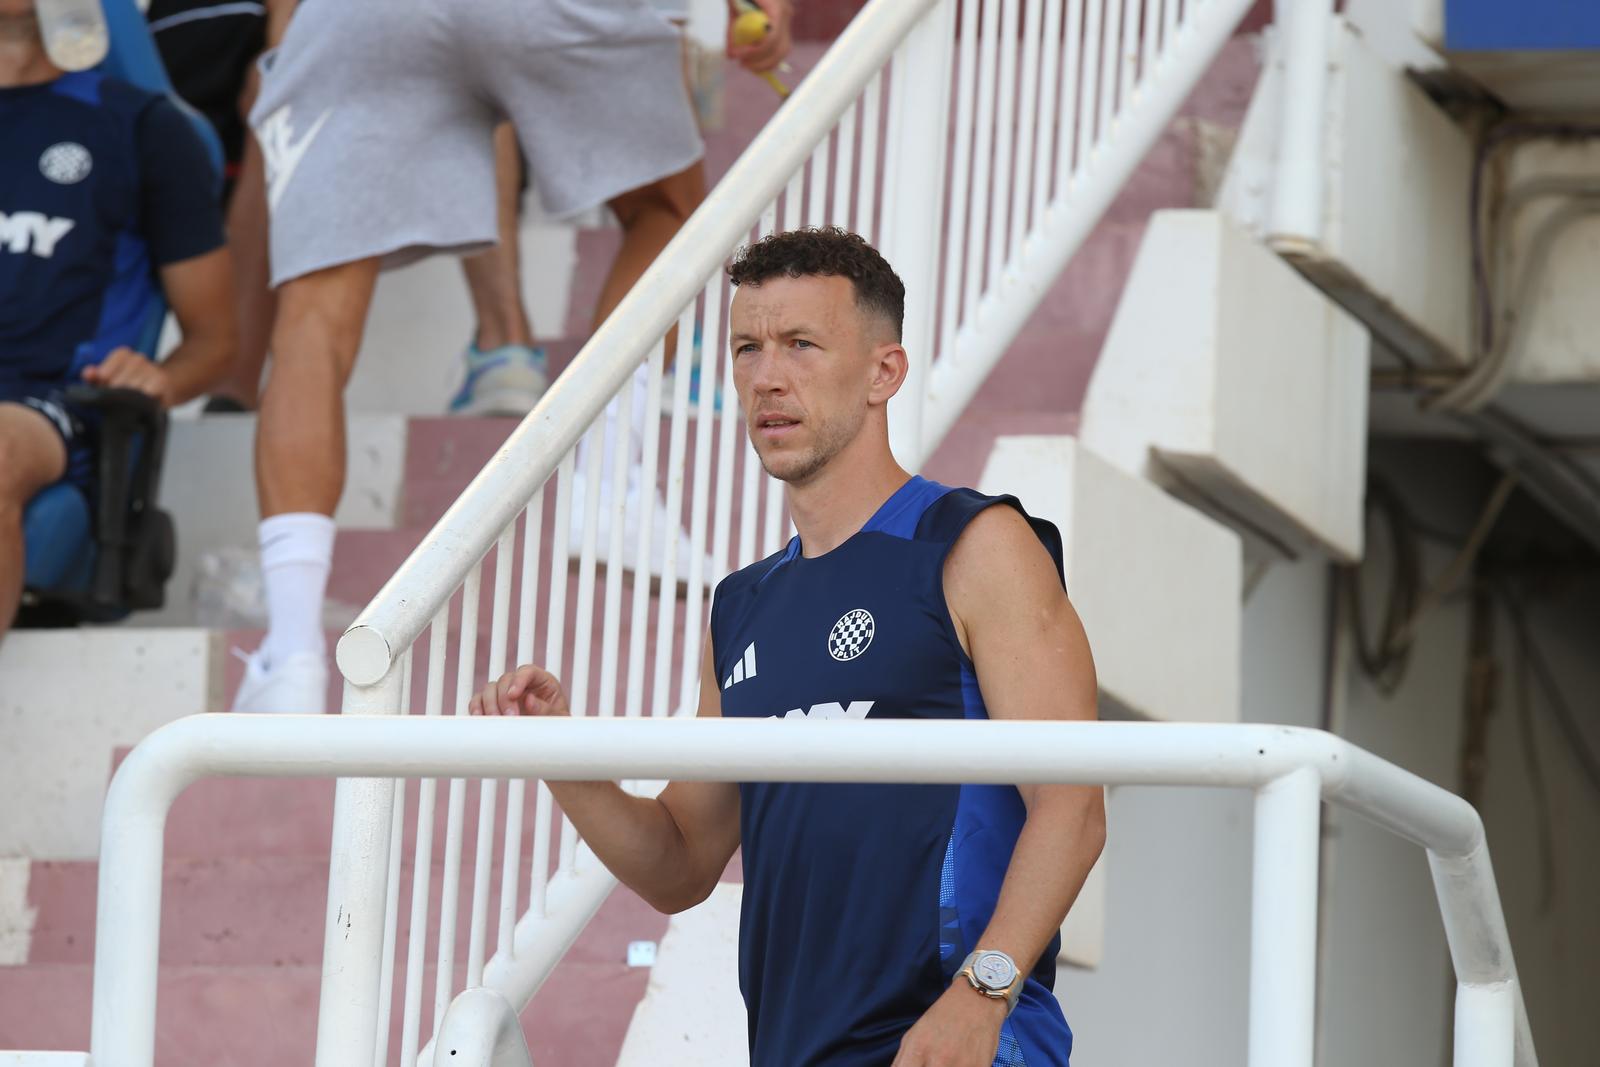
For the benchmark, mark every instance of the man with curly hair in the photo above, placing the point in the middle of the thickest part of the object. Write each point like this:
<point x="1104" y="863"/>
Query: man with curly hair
<point x="881" y="924"/>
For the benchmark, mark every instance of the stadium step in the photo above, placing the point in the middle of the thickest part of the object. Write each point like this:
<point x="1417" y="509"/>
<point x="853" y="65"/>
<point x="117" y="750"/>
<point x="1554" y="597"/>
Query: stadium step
<point x="262" y="1016"/>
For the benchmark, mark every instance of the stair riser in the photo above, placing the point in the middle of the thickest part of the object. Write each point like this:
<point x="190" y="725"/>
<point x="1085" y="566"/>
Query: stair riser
<point x="241" y="912"/>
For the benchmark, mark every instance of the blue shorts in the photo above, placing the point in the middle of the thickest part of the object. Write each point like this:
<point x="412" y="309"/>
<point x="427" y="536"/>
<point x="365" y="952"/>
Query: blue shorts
<point x="77" y="427"/>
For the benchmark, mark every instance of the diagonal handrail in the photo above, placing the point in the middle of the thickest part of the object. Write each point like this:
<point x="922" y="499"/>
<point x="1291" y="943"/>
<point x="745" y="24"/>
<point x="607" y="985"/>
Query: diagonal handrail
<point x="410" y="598"/>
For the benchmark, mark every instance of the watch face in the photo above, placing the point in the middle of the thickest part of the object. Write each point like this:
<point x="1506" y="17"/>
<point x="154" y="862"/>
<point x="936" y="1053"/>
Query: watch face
<point x="993" y="970"/>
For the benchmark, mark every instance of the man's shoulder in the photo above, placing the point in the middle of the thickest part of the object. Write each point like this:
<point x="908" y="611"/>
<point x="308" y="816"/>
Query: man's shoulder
<point x="982" y="527"/>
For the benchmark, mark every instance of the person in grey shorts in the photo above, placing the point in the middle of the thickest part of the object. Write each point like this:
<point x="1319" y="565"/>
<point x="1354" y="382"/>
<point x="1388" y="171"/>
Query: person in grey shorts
<point x="376" y="120"/>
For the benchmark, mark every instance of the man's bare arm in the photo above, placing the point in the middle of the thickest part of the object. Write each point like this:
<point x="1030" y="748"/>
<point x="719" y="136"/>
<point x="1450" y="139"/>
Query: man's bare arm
<point x="1033" y="662"/>
<point x="670" y="849"/>
<point x="200" y="292"/>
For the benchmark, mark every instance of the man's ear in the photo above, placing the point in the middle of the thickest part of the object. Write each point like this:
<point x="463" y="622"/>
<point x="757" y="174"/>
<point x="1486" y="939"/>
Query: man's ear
<point x="890" y="365"/>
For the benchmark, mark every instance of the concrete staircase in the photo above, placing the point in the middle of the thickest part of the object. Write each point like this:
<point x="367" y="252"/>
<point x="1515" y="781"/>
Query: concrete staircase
<point x="247" y="861"/>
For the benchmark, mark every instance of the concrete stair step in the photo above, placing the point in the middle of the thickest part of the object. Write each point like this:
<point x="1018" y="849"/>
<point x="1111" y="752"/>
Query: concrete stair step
<point x="268" y="910"/>
<point x="68" y="698"/>
<point x="1230" y="380"/>
<point x="266" y="1016"/>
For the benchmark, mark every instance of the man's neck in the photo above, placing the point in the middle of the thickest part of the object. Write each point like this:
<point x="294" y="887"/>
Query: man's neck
<point x="839" y="499"/>
<point x="23" y="60"/>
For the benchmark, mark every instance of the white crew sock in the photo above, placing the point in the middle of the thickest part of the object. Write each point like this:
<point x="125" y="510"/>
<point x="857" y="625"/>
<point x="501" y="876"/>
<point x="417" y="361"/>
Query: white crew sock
<point x="296" y="555"/>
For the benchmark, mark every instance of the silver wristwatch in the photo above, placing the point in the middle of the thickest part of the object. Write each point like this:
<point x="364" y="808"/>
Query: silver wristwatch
<point x="994" y="974"/>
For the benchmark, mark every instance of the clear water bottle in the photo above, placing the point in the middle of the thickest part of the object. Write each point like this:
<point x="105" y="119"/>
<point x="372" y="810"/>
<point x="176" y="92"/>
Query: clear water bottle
<point x="74" y="31"/>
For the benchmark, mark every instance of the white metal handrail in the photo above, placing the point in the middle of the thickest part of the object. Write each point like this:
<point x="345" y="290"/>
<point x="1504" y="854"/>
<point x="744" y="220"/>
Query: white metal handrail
<point x="978" y="156"/>
<point x="1290" y="769"/>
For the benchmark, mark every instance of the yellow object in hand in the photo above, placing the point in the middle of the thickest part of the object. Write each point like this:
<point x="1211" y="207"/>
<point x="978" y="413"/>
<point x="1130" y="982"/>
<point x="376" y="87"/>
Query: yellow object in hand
<point x="751" y="27"/>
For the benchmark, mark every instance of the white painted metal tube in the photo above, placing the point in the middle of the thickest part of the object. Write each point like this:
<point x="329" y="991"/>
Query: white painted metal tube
<point x="1089" y="130"/>
<point x="1486" y="1025"/>
<point x="954" y="258"/>
<point x="666" y="600"/>
<point x="1110" y="68"/>
<point x="1049" y="94"/>
<point x="793" y="200"/>
<point x="1069" y="136"/>
<point x="921" y="141"/>
<point x="1297" y="192"/>
<point x="422" y="856"/>
<point x="176" y="755"/>
<point x="542" y="940"/>
<point x="488" y="800"/>
<point x="611" y="608"/>
<point x="700" y="496"/>
<point x="641" y="586"/>
<point x="844" y="165"/>
<point x="1028" y="132"/>
<point x="1480" y="953"/>
<point x="358" y="875"/>
<point x="481" y="1029"/>
<point x="455" y="806"/>
<point x="402" y="608"/>
<point x="980" y="215"/>
<point x="1005" y="133"/>
<point x="391" y="909"/>
<point x="729" y="423"/>
<point x="817" y="193"/>
<point x="1283" y="921"/>
<point x="1010" y="300"/>
<point x="867" y="181"/>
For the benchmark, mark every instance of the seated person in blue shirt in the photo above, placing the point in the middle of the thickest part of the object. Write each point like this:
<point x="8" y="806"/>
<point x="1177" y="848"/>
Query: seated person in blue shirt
<point x="107" y="200"/>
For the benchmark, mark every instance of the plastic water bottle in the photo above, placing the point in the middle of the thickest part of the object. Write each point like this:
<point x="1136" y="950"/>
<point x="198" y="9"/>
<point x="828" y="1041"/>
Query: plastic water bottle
<point x="74" y="32"/>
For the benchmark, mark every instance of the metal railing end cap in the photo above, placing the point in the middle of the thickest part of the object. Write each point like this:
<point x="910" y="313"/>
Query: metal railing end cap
<point x="363" y="655"/>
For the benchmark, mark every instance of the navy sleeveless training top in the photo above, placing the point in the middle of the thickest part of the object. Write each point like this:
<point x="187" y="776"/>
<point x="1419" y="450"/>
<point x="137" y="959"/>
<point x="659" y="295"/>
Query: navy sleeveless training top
<point x="861" y="901"/>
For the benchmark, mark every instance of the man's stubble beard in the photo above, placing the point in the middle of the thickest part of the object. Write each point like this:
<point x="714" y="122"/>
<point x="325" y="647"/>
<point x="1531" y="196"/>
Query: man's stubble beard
<point x="832" y="438"/>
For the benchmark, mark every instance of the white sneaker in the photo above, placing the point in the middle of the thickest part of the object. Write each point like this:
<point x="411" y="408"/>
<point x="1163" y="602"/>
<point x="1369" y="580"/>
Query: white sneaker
<point x="298" y="685"/>
<point x="661" y="524"/>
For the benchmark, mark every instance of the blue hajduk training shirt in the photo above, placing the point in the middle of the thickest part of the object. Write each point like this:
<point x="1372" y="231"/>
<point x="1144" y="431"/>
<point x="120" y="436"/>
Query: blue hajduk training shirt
<point x="101" y="183"/>
<point x="861" y="901"/>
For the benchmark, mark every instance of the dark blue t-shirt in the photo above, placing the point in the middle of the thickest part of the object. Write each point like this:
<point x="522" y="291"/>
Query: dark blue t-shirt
<point x="101" y="183"/>
<point x="861" y="901"/>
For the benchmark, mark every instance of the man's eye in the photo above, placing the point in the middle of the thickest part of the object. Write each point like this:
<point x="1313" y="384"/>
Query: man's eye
<point x="742" y="349"/>
<point x="801" y="342"/>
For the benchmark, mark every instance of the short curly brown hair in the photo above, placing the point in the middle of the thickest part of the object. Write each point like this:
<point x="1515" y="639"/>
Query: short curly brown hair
<point x="826" y="252"/>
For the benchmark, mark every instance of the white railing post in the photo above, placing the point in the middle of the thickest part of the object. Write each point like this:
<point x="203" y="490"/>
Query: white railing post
<point x="1283" y="921"/>
<point x="1486" y="1025"/>
<point x="1297" y="194"/>
<point x="358" y="892"/>
<point x="1487" y="1028"/>
<point x="919" y="142"/>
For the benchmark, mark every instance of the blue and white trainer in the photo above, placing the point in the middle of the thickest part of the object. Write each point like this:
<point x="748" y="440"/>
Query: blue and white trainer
<point x="508" y="380"/>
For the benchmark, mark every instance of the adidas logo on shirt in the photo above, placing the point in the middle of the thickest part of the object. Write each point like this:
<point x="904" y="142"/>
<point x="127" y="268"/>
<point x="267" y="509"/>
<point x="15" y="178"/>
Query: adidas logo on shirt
<point x="745" y="668"/>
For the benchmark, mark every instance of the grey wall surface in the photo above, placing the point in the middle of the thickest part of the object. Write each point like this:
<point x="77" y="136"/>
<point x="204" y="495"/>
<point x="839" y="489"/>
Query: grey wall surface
<point x="1172" y="989"/>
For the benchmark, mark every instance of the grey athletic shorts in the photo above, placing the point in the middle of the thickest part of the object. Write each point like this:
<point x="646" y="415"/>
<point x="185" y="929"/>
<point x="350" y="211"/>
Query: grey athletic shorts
<point x="376" y="118"/>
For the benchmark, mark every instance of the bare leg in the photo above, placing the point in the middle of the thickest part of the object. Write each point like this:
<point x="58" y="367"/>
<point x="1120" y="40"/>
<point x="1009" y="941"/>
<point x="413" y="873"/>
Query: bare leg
<point x="650" y="216"/>
<point x="31" y="457"/>
<point x="300" y="442"/>
<point x="256" y="302"/>
<point x="494" y="276"/>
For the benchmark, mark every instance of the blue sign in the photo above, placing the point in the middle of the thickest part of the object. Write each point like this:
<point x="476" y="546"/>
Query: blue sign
<point x="1521" y="25"/>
